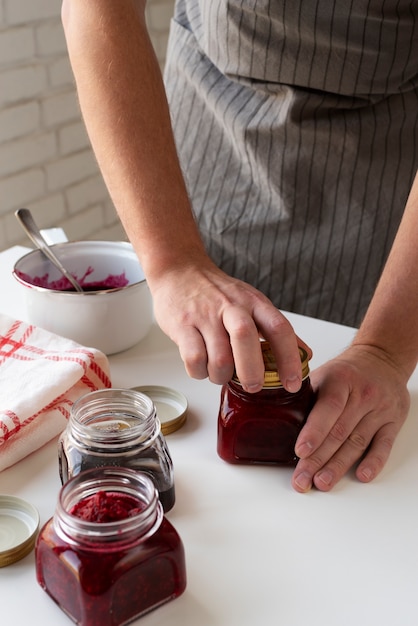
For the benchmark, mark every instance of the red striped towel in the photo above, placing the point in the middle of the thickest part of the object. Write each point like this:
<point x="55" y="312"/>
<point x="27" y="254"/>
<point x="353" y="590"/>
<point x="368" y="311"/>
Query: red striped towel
<point x="41" y="375"/>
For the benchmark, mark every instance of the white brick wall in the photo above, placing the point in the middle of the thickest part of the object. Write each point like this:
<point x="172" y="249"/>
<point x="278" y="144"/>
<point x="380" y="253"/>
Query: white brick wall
<point x="46" y="162"/>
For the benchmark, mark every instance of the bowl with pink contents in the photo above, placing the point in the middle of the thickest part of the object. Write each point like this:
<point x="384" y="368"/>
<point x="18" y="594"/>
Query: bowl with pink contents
<point x="114" y="311"/>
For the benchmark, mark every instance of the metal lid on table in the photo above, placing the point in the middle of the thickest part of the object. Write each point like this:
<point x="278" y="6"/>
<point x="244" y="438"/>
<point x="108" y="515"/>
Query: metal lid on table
<point x="19" y="524"/>
<point x="171" y="406"/>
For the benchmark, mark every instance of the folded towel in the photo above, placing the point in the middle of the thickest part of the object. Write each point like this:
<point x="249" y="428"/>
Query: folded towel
<point x="41" y="375"/>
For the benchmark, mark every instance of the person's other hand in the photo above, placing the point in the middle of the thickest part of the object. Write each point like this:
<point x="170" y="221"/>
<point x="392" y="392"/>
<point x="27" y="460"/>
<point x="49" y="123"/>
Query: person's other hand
<point x="216" y="321"/>
<point x="362" y="402"/>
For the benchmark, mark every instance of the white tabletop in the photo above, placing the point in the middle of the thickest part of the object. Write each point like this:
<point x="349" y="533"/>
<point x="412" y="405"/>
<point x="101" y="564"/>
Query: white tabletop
<point x="258" y="553"/>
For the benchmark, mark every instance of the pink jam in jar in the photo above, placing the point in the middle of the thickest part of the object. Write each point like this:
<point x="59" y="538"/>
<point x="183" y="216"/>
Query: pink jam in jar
<point x="263" y="427"/>
<point x="109" y="555"/>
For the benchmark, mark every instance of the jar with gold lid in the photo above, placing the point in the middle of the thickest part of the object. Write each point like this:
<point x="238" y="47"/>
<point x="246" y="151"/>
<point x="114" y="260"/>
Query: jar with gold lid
<point x="263" y="427"/>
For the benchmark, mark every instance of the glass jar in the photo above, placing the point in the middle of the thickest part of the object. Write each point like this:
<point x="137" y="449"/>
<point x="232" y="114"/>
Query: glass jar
<point x="109" y="555"/>
<point x="117" y="427"/>
<point x="262" y="427"/>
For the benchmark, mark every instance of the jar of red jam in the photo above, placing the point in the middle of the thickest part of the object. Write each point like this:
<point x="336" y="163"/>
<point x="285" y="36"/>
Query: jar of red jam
<point x="109" y="555"/>
<point x="117" y="427"/>
<point x="262" y="427"/>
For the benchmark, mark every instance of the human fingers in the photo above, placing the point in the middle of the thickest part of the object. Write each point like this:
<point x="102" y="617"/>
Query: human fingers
<point x="329" y="424"/>
<point x="245" y="345"/>
<point x="221" y="322"/>
<point x="364" y="441"/>
<point x="378" y="453"/>
<point x="206" y="356"/>
<point x="331" y="461"/>
<point x="236" y="341"/>
<point x="328" y="417"/>
<point x="220" y="355"/>
<point x="359" y="411"/>
<point x="277" y="329"/>
<point x="193" y="353"/>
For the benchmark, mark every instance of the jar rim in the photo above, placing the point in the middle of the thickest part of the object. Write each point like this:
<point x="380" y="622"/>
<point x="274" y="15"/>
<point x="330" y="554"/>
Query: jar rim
<point x="112" y="479"/>
<point x="114" y="417"/>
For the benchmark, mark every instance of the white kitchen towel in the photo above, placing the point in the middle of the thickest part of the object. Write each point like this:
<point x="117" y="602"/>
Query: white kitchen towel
<point x="41" y="375"/>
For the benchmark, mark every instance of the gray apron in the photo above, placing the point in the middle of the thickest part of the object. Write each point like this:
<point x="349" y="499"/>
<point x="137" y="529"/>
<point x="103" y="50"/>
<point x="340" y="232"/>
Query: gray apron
<point x="296" y="124"/>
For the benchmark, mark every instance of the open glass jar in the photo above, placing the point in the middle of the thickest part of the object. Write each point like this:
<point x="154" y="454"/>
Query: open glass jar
<point x="263" y="427"/>
<point x="109" y="555"/>
<point x="117" y="427"/>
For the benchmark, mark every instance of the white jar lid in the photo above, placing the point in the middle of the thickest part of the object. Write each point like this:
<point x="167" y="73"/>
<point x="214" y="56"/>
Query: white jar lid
<point x="19" y="524"/>
<point x="171" y="406"/>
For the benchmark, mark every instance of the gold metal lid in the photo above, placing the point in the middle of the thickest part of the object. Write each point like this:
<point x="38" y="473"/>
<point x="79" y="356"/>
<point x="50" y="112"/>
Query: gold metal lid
<point x="19" y="524"/>
<point x="271" y="375"/>
<point x="171" y="406"/>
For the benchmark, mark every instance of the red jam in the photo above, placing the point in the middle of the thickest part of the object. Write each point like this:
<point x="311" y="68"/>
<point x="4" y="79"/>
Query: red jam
<point x="263" y="427"/>
<point x="105" y="507"/>
<point x="102" y="577"/>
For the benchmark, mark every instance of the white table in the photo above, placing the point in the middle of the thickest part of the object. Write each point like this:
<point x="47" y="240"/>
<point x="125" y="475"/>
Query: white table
<point x="258" y="553"/>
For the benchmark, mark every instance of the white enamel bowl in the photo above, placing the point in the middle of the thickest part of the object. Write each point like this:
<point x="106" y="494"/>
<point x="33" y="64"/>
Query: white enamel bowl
<point x="111" y="320"/>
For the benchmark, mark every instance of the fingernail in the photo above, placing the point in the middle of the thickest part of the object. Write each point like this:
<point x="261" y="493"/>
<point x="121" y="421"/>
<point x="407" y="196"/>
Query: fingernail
<point x="293" y="383"/>
<point x="367" y="473"/>
<point x="303" y="481"/>
<point x="325" y="477"/>
<point x="304" y="449"/>
<point x="252" y="388"/>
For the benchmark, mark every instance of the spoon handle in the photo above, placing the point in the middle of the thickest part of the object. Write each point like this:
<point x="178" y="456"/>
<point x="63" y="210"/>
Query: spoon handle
<point x="29" y="225"/>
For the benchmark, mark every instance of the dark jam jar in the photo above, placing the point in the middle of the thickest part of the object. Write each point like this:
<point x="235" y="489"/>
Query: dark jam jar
<point x="117" y="427"/>
<point x="263" y="427"/>
<point x="109" y="555"/>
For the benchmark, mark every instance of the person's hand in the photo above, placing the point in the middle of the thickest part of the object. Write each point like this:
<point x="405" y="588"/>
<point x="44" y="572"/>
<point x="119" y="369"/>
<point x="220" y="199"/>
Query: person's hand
<point x="362" y="402"/>
<point x="216" y="321"/>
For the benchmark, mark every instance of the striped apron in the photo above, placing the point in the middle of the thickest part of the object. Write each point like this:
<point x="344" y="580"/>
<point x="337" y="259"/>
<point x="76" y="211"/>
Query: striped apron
<point x="296" y="124"/>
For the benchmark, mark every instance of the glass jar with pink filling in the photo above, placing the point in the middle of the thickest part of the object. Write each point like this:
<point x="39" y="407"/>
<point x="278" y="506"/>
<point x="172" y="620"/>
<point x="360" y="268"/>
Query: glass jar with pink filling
<point x="109" y="555"/>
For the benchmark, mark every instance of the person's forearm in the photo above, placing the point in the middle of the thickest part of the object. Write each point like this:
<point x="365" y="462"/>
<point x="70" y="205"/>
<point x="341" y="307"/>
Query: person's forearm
<point x="123" y="103"/>
<point x="391" y="322"/>
<point x="215" y="320"/>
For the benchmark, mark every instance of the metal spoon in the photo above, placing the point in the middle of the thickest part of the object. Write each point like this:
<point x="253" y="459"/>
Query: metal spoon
<point x="26" y="220"/>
